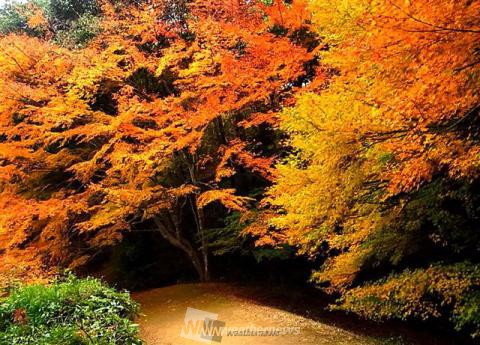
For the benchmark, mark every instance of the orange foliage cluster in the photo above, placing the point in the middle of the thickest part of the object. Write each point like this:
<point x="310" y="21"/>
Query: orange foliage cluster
<point x="147" y="115"/>
<point x="383" y="182"/>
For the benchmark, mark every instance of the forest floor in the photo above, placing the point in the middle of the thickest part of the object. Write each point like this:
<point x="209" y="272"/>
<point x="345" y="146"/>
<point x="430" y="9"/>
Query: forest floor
<point x="164" y="309"/>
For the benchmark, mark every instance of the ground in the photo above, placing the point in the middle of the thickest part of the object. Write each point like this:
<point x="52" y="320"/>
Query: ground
<point x="163" y="313"/>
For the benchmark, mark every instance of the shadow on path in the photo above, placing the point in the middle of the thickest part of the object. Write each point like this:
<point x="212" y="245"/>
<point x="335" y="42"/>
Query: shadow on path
<point x="246" y="306"/>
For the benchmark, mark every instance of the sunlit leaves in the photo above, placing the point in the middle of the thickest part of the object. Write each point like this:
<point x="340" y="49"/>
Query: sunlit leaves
<point x="148" y="119"/>
<point x="398" y="118"/>
<point x="226" y="197"/>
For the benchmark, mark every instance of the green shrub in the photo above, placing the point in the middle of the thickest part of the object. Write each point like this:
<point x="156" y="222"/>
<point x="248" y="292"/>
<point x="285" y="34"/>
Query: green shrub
<point x="70" y="311"/>
<point x="435" y="292"/>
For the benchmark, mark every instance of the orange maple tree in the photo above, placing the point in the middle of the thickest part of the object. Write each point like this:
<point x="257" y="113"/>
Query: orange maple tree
<point x="148" y="124"/>
<point x="382" y="184"/>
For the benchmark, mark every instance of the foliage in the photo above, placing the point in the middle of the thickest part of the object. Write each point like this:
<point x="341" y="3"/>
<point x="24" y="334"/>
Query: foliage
<point x="69" y="311"/>
<point x="14" y="18"/>
<point x="168" y="114"/>
<point x="384" y="172"/>
<point x="155" y="123"/>
<point x="423" y="294"/>
<point x="70" y="22"/>
<point x="228" y="239"/>
<point x="80" y="32"/>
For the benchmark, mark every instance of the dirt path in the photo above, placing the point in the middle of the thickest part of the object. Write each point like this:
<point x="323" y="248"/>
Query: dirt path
<point x="164" y="312"/>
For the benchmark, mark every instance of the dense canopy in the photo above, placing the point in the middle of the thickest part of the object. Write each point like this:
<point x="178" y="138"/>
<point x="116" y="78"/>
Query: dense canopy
<point x="347" y="130"/>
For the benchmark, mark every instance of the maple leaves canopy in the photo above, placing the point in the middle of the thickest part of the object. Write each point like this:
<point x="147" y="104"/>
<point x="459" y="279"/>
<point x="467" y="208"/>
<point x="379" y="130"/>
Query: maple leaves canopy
<point x="159" y="108"/>
<point x="363" y="114"/>
<point x="383" y="182"/>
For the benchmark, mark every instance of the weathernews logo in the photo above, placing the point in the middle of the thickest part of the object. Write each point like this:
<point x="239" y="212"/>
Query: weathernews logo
<point x="203" y="326"/>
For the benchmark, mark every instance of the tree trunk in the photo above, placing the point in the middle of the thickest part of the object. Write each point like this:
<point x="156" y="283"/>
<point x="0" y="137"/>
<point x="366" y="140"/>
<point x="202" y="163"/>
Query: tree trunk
<point x="199" y="220"/>
<point x="220" y="131"/>
<point x="199" y="217"/>
<point x="201" y="230"/>
<point x="174" y="238"/>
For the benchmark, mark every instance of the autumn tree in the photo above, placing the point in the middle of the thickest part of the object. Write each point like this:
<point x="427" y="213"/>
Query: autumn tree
<point x="152" y="125"/>
<point x="383" y="182"/>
